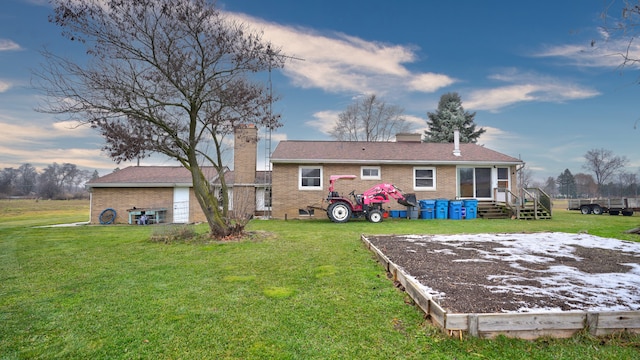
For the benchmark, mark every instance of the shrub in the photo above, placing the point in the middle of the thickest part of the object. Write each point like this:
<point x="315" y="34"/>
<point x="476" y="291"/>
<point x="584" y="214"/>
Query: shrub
<point x="174" y="234"/>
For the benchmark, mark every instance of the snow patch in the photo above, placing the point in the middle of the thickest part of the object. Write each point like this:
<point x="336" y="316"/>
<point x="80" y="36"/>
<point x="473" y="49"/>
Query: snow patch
<point x="579" y="290"/>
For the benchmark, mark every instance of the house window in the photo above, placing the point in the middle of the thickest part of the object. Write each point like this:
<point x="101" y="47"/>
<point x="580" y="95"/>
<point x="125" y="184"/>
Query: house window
<point x="267" y="197"/>
<point x="305" y="212"/>
<point x="503" y="178"/>
<point x="310" y="178"/>
<point x="424" y="178"/>
<point x="370" y="173"/>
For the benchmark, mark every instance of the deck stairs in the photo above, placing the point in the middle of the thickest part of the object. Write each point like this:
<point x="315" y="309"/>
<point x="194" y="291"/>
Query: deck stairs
<point x="531" y="204"/>
<point x="493" y="210"/>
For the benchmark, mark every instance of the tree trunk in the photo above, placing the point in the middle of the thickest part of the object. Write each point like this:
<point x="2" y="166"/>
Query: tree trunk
<point x="219" y="225"/>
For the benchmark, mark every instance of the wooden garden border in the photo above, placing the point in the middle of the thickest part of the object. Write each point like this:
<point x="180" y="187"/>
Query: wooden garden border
<point x="532" y="325"/>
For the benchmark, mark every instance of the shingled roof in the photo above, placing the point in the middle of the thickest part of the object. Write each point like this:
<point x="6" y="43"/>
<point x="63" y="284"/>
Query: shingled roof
<point x="150" y="176"/>
<point x="165" y="176"/>
<point x="404" y="152"/>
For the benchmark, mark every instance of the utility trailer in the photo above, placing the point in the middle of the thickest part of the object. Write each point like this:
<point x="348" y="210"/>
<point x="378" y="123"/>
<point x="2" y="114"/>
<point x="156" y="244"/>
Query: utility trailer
<point x="624" y="206"/>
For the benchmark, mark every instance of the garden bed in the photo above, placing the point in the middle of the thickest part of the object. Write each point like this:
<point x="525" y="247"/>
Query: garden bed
<point x="521" y="285"/>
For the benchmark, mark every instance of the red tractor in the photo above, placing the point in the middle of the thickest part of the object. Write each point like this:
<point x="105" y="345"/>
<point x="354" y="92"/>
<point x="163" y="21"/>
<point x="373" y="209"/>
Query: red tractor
<point x="368" y="204"/>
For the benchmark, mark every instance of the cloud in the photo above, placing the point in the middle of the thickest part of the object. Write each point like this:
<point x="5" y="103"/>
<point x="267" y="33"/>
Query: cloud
<point x="8" y="45"/>
<point x="577" y="55"/>
<point x="525" y="87"/>
<point x="430" y="82"/>
<point x="417" y="123"/>
<point x="339" y="63"/>
<point x="324" y="120"/>
<point x="278" y="137"/>
<point x="607" y="52"/>
<point x="17" y="132"/>
<point x="45" y="156"/>
<point x="72" y="128"/>
<point x="499" y="139"/>
<point x="40" y="145"/>
<point x="39" y="2"/>
<point x="4" y="86"/>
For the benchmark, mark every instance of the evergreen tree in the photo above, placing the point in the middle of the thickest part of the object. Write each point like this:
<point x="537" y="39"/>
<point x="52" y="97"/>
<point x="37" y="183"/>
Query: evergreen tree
<point x="567" y="184"/>
<point x="449" y="116"/>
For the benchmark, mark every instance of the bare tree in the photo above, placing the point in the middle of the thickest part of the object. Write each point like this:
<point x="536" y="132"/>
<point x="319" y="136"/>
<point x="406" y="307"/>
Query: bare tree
<point x="370" y="119"/>
<point x="27" y="179"/>
<point x="8" y="178"/>
<point x="525" y="177"/>
<point x="622" y="20"/>
<point x="585" y="185"/>
<point x="550" y="186"/>
<point x="163" y="76"/>
<point x="604" y="164"/>
<point x="628" y="183"/>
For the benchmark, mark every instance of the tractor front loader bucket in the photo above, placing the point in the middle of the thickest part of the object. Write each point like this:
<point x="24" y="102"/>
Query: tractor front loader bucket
<point x="409" y="200"/>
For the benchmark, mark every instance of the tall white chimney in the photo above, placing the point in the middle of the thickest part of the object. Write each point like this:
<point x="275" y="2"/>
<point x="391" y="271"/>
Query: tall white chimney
<point x="456" y="142"/>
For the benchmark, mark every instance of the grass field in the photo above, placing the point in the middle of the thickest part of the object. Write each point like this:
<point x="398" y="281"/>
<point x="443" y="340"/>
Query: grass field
<point x="305" y="290"/>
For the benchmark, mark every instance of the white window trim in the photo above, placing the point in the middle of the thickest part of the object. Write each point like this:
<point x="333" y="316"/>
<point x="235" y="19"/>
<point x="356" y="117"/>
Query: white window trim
<point x="307" y="188"/>
<point x="424" y="188"/>
<point x="363" y="177"/>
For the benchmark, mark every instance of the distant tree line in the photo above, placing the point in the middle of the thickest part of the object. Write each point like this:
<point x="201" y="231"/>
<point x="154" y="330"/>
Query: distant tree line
<point x="56" y="181"/>
<point x="608" y="178"/>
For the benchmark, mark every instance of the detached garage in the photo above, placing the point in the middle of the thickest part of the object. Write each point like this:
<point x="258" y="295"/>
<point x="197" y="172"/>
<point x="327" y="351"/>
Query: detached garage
<point x="163" y="191"/>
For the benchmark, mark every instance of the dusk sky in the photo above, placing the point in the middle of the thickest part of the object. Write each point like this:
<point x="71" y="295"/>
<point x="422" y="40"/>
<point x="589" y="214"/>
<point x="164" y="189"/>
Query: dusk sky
<point x="529" y="70"/>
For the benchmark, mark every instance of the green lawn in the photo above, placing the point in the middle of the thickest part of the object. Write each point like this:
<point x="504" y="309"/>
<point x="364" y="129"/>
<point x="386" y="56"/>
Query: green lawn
<point x="309" y="290"/>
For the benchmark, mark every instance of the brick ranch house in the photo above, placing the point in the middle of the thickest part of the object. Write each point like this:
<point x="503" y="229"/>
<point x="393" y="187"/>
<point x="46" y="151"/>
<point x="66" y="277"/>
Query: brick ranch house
<point x="170" y="188"/>
<point x="301" y="171"/>
<point x="300" y="177"/>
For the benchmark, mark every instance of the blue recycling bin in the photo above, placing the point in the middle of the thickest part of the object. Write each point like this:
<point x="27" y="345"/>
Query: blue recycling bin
<point x="455" y="209"/>
<point x="442" y="209"/>
<point x="471" y="208"/>
<point x="427" y="209"/>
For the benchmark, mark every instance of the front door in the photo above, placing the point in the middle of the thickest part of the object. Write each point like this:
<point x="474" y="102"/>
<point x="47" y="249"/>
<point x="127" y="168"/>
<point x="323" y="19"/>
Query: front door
<point x="181" y="205"/>
<point x="503" y="184"/>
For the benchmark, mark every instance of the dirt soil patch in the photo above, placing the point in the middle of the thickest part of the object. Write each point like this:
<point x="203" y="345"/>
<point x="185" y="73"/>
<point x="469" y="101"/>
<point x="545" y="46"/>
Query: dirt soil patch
<point x="493" y="273"/>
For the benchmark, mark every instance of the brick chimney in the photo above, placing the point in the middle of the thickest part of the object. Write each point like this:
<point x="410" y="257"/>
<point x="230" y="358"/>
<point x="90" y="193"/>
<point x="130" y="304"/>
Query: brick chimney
<point x="408" y="137"/>
<point x="245" y="153"/>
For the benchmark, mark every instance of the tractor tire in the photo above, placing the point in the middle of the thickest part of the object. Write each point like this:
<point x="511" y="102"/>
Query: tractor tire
<point x="614" y="212"/>
<point x="585" y="210"/>
<point x="597" y="210"/>
<point x="339" y="212"/>
<point x="627" y="212"/>
<point x="375" y="216"/>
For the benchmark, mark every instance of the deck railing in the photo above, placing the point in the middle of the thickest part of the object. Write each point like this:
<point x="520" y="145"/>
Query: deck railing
<point x="539" y="197"/>
<point x="530" y="197"/>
